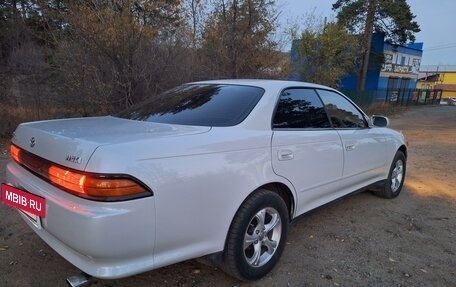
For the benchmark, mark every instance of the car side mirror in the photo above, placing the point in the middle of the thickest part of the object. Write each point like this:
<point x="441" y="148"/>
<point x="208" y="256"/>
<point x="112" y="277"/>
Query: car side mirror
<point x="380" y="121"/>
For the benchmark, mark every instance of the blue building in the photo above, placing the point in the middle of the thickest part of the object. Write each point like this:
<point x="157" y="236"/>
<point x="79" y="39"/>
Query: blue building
<point x="398" y="74"/>
<point x="392" y="72"/>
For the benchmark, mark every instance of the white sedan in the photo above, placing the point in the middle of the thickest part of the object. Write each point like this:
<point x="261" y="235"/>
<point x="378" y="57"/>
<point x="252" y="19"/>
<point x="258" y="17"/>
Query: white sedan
<point x="213" y="169"/>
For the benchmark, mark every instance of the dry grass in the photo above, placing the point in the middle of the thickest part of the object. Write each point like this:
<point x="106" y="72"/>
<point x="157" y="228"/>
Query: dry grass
<point x="4" y="146"/>
<point x="12" y="116"/>
<point x="384" y="109"/>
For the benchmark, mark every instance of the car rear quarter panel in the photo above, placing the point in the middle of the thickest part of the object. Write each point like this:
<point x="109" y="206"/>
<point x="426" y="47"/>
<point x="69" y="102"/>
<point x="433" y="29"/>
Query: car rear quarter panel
<point x="197" y="193"/>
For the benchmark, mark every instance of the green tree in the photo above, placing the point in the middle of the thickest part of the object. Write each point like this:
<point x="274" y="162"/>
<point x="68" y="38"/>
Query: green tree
<point x="326" y="54"/>
<point x="392" y="17"/>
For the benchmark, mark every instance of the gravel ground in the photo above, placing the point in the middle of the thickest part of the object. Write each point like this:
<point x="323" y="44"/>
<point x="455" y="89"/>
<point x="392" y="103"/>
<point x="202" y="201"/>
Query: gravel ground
<point x="361" y="240"/>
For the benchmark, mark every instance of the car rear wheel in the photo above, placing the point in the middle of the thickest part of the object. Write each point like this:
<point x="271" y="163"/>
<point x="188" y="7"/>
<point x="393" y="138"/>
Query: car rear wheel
<point x="396" y="176"/>
<point x="257" y="236"/>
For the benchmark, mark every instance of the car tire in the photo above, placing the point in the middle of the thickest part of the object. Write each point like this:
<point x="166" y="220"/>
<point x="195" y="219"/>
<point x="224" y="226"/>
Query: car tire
<point x="395" y="181"/>
<point x="257" y="236"/>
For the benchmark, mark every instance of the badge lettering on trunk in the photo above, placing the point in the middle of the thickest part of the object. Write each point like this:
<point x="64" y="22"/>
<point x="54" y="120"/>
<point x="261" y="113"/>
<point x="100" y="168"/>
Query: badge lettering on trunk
<point x="75" y="159"/>
<point x="32" y="142"/>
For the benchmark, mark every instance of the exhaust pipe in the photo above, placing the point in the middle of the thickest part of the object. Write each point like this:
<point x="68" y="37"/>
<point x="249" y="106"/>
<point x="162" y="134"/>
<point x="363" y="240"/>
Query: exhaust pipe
<point x="81" y="280"/>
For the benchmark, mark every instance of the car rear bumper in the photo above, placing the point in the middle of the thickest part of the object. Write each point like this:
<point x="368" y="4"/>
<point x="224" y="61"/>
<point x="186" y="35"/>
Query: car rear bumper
<point x="103" y="239"/>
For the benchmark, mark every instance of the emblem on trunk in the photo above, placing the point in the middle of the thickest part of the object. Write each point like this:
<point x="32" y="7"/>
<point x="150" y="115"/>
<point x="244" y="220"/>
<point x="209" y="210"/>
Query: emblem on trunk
<point x="32" y="142"/>
<point x="75" y="159"/>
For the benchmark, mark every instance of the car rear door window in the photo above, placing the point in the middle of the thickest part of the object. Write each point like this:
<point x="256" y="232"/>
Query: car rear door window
<point x="343" y="113"/>
<point x="299" y="109"/>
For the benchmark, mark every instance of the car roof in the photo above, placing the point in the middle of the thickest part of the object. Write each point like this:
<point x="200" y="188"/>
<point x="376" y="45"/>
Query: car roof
<point x="263" y="83"/>
<point x="260" y="116"/>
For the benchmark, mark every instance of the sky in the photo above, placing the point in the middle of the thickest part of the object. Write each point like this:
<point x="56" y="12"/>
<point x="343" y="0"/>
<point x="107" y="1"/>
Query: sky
<point x="436" y="20"/>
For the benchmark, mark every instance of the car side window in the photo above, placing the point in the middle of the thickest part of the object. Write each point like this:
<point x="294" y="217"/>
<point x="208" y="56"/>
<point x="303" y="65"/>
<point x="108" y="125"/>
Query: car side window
<point x="343" y="114"/>
<point x="299" y="109"/>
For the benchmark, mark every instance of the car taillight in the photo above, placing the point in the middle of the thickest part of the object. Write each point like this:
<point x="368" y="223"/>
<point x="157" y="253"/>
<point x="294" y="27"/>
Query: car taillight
<point x="109" y="187"/>
<point x="14" y="151"/>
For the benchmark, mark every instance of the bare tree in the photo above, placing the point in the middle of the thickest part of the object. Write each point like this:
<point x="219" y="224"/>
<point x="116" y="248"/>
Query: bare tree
<point x="238" y="40"/>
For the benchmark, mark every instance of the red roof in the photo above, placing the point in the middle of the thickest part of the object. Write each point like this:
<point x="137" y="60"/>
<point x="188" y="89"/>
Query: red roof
<point x="446" y="87"/>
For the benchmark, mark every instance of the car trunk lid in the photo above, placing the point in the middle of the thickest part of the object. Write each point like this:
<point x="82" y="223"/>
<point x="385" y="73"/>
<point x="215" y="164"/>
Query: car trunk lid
<point x="71" y="142"/>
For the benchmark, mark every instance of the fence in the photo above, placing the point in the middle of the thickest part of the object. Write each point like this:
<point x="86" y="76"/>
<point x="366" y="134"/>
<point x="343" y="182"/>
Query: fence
<point x="400" y="97"/>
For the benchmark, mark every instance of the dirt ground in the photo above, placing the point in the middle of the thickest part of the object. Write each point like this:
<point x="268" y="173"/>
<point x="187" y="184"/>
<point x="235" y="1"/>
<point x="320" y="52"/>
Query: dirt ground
<point x="362" y="240"/>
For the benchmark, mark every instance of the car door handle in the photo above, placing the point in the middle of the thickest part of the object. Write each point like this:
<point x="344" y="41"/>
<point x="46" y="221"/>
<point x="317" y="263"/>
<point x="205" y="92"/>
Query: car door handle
<point x="349" y="147"/>
<point x="285" y="154"/>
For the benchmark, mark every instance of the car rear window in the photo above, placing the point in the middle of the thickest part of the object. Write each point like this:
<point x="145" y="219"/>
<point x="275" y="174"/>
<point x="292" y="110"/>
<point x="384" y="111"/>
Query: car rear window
<point x="199" y="105"/>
